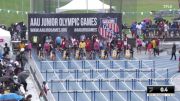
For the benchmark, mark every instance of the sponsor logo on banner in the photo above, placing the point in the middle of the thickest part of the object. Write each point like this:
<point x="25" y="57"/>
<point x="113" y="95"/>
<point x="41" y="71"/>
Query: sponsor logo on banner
<point x="108" y="27"/>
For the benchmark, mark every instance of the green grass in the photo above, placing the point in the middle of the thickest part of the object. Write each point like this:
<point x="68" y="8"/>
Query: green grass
<point x="13" y="5"/>
<point x="154" y="5"/>
<point x="138" y="6"/>
<point x="128" y="6"/>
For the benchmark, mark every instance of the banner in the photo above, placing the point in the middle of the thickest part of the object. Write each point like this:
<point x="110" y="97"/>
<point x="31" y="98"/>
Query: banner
<point x="104" y="25"/>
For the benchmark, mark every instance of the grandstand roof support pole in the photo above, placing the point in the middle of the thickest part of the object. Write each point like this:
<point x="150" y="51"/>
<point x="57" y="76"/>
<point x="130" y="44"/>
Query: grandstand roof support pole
<point x="22" y="9"/>
<point x="87" y="5"/>
<point x="31" y="6"/>
<point x="110" y="3"/>
<point x="58" y="3"/>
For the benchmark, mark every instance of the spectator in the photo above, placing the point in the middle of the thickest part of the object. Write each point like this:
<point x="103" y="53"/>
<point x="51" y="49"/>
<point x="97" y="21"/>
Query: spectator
<point x="166" y="29"/>
<point x="63" y="44"/>
<point x="21" y="58"/>
<point x="53" y="55"/>
<point x="45" y="87"/>
<point x="133" y="29"/>
<point x="21" y="45"/>
<point x="28" y="98"/>
<point x="173" y="52"/>
<point x="119" y="46"/>
<point x="149" y="49"/>
<point x="40" y="52"/>
<point x="139" y="29"/>
<point x="153" y="42"/>
<point x="82" y="46"/>
<point x="6" y="49"/>
<point x="157" y="45"/>
<point x="139" y="44"/>
<point x="96" y="46"/>
<point x="58" y="42"/>
<point x="132" y="52"/>
<point x="29" y="48"/>
<point x="47" y="49"/>
<point x="88" y="47"/>
<point x="41" y="96"/>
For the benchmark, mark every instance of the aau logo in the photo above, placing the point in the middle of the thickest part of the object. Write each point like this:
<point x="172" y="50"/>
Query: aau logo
<point x="108" y="27"/>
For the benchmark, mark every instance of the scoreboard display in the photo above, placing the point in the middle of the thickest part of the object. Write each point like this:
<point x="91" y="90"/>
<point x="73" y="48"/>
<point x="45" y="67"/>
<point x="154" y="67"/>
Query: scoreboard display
<point x="162" y="90"/>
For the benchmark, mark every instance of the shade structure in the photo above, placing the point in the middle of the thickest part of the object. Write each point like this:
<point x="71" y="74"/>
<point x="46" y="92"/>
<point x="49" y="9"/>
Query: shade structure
<point x="93" y="5"/>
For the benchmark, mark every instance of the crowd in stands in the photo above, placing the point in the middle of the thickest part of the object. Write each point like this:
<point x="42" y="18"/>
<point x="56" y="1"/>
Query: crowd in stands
<point x="160" y="28"/>
<point x="13" y="85"/>
<point x="17" y="31"/>
<point x="13" y="76"/>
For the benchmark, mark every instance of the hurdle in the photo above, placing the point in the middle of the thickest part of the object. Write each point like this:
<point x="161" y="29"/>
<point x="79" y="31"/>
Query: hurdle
<point x="100" y="82"/>
<point x="92" y="71"/>
<point x="106" y="72"/>
<point x="112" y="80"/>
<point x="68" y="64"/>
<point x="125" y="62"/>
<point x="93" y="93"/>
<point x="101" y="70"/>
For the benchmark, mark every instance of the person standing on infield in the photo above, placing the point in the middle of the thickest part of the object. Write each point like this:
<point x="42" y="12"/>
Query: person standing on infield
<point x="173" y="52"/>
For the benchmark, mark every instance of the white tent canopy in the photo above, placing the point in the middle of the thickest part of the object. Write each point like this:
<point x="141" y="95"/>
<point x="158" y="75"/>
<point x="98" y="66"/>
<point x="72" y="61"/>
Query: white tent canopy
<point x="5" y="37"/>
<point x="94" y="5"/>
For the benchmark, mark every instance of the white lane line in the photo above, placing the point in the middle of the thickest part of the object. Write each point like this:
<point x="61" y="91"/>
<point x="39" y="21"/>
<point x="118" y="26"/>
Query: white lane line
<point x="123" y="82"/>
<point x="139" y="83"/>
<point x="76" y="82"/>
<point x="59" y="79"/>
<point x="107" y="83"/>
<point x="40" y="73"/>
<point x="159" y="75"/>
